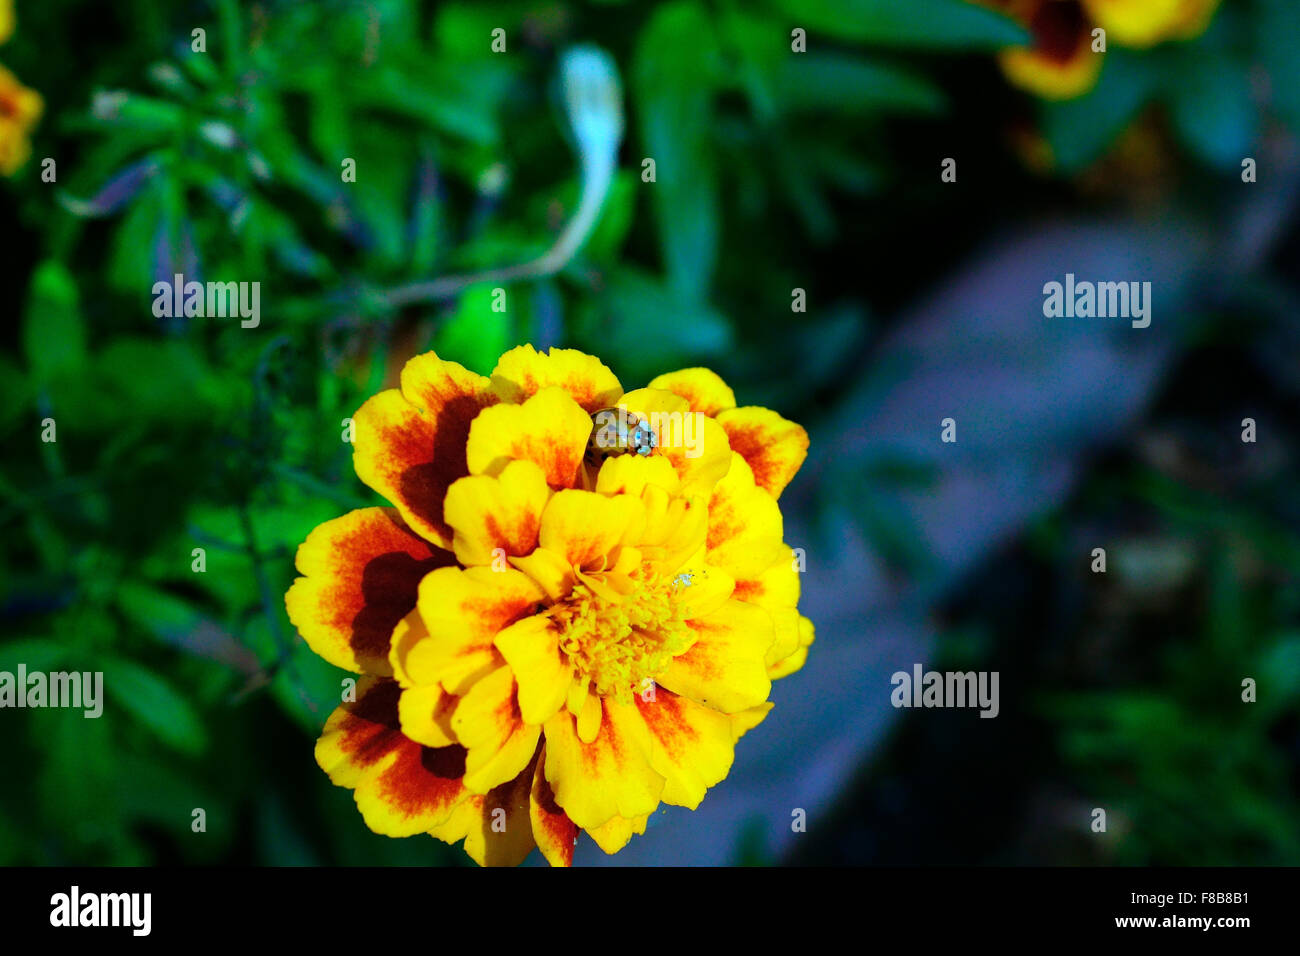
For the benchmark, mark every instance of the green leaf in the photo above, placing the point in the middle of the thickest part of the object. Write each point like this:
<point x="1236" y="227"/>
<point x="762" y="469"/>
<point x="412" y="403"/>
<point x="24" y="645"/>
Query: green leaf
<point x="152" y="701"/>
<point x="155" y="611"/>
<point x="163" y="380"/>
<point x="934" y="24"/>
<point x="674" y="75"/>
<point x="124" y="110"/>
<point x="476" y="335"/>
<point x="54" y="335"/>
<point x="859" y="85"/>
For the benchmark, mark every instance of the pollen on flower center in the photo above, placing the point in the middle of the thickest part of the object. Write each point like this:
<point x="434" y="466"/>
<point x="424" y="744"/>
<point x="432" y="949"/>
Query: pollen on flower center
<point x="618" y="641"/>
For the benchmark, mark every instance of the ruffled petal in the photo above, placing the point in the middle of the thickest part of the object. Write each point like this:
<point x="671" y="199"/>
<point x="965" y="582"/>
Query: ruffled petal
<point x="773" y="447"/>
<point x="402" y="788"/>
<point x="725" y="668"/>
<point x="554" y="832"/>
<point x="743" y="721"/>
<point x="609" y="777"/>
<point x="361" y="573"/>
<point x="691" y="745"/>
<point x="549" y="429"/>
<point x="745" y="525"/>
<point x="778" y="586"/>
<point x="487" y="513"/>
<point x="615" y="833"/>
<point x="523" y="372"/>
<point x="488" y="724"/>
<point x="448" y="639"/>
<point x="425" y="715"/>
<point x="703" y="389"/>
<point x="630" y="474"/>
<point x="584" y="527"/>
<point x="532" y="649"/>
<point x="496" y="826"/>
<point x="787" y="666"/>
<point x="410" y="443"/>
<point x="553" y="574"/>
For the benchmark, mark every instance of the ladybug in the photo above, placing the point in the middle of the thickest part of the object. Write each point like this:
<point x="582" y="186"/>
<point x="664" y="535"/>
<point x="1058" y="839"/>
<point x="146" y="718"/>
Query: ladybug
<point x="617" y="431"/>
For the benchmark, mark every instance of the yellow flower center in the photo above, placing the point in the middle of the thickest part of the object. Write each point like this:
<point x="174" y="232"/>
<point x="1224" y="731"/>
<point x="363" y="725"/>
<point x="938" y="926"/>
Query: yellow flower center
<point x="617" y="641"/>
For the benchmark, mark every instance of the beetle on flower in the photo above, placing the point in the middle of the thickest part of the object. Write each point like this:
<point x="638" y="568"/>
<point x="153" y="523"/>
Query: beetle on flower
<point x="610" y="663"/>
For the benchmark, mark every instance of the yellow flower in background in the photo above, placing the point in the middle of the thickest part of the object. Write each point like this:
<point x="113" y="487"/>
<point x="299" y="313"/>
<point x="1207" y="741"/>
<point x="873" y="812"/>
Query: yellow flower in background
<point x="573" y="611"/>
<point x="1060" y="62"/>
<point x="1144" y="23"/>
<point x="6" y="20"/>
<point x="20" y="108"/>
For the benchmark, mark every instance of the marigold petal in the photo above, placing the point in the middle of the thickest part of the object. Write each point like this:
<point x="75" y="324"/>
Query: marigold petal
<point x="630" y="474"/>
<point x="585" y="528"/>
<point x="549" y="429"/>
<point x="745" y="525"/>
<point x="402" y="788"/>
<point x="448" y="639"/>
<point x="490" y="513"/>
<point x="532" y="649"/>
<point x="743" y="721"/>
<point x="361" y="573"/>
<point x="554" y="832"/>
<point x="703" y="389"/>
<point x="553" y="574"/>
<point x="675" y="528"/>
<point x="523" y="372"/>
<point x="496" y="826"/>
<point x="774" y="447"/>
<point x="614" y="834"/>
<point x="776" y="587"/>
<point x="607" y="778"/>
<point x="691" y="745"/>
<point x="488" y="724"/>
<point x="701" y="588"/>
<point x="1050" y="78"/>
<point x="787" y="666"/>
<point x="725" y="669"/>
<point x="589" y="719"/>
<point x="409" y="444"/>
<point x="425" y="715"/>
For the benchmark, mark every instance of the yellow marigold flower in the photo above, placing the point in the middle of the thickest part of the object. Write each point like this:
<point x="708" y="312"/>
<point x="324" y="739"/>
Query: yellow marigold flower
<point x="1060" y="63"/>
<point x="1144" y="23"/>
<point x="558" y="632"/>
<point x="20" y="108"/>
